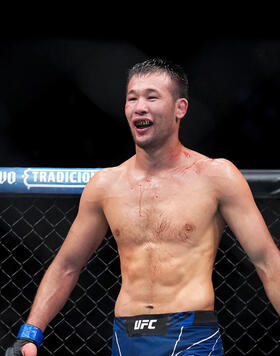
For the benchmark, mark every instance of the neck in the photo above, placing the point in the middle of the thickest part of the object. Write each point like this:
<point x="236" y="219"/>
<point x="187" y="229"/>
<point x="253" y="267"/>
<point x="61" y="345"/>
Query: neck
<point x="163" y="157"/>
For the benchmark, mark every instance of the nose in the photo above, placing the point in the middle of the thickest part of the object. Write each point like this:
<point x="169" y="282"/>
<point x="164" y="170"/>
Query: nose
<point x="140" y="107"/>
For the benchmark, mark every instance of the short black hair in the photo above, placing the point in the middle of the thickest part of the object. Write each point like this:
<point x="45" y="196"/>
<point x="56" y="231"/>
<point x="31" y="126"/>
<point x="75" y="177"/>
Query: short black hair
<point x="175" y="72"/>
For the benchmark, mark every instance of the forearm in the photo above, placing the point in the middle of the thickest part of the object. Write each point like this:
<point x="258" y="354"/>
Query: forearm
<point x="52" y="294"/>
<point x="270" y="277"/>
<point x="272" y="291"/>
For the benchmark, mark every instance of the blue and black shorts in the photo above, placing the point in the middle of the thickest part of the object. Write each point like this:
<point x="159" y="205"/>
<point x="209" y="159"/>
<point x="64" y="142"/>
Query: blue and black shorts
<point x="179" y="334"/>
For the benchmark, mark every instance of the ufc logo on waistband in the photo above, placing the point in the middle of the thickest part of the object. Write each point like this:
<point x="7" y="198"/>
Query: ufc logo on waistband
<point x="141" y="324"/>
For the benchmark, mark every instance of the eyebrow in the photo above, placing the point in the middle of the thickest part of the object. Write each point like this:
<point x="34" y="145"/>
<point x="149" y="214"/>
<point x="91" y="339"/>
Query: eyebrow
<point x="148" y="91"/>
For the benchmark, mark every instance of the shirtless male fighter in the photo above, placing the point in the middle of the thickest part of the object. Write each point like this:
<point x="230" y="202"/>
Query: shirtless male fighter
<point x="167" y="207"/>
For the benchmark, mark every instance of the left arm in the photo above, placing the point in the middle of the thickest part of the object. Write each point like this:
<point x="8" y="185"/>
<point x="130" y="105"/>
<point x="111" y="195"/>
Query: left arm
<point x="238" y="208"/>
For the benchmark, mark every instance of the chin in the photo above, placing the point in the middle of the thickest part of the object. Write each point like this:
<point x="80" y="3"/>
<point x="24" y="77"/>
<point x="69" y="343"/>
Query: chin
<point x="140" y="143"/>
<point x="147" y="144"/>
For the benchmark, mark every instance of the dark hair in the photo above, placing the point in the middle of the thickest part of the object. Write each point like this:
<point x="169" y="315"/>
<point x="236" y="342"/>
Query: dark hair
<point x="175" y="72"/>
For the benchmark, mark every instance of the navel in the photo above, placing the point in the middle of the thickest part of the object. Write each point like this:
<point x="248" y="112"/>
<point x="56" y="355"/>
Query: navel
<point x="149" y="307"/>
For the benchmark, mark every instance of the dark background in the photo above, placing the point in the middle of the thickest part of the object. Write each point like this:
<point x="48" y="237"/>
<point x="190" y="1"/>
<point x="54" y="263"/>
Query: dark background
<point x="62" y="89"/>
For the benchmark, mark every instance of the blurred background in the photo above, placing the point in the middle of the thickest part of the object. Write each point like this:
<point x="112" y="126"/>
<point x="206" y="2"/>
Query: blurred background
<point x="62" y="95"/>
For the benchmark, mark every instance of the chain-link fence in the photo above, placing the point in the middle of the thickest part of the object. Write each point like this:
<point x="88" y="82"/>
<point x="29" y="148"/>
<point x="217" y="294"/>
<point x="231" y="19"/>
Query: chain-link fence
<point x="33" y="228"/>
<point x="250" y="326"/>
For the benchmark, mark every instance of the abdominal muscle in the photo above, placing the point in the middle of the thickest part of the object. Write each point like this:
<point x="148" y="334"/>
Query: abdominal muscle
<point x="160" y="278"/>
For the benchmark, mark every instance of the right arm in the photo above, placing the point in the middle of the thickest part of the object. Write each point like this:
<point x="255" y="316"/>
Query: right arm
<point x="84" y="237"/>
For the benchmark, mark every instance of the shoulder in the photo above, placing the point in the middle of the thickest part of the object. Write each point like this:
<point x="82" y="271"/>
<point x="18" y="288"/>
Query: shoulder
<point x="222" y="174"/>
<point x="219" y="168"/>
<point x="104" y="179"/>
<point x="222" y="169"/>
<point x="226" y="178"/>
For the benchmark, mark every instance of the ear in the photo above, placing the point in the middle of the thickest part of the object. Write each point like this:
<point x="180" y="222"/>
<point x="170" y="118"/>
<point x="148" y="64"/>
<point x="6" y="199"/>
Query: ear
<point x="182" y="107"/>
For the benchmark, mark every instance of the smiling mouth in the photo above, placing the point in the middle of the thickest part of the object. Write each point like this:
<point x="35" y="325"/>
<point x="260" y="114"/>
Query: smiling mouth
<point x="142" y="124"/>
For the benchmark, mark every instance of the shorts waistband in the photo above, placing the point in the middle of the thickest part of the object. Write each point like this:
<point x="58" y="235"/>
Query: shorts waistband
<point x="160" y="323"/>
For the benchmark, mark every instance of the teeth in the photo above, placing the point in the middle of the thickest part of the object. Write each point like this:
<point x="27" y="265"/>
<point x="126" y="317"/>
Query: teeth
<point x="143" y="123"/>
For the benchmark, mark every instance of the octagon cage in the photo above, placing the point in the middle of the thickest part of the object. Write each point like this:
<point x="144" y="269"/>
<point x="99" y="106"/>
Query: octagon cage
<point x="37" y="208"/>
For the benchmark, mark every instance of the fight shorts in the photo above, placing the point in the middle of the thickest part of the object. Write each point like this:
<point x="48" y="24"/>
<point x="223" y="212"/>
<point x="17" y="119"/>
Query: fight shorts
<point x="179" y="334"/>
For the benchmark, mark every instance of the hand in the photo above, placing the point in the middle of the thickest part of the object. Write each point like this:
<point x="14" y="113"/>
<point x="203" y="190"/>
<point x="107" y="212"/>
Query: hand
<point x="22" y="347"/>
<point x="29" y="350"/>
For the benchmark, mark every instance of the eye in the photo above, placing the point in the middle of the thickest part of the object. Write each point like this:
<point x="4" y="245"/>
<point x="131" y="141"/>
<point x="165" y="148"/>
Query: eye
<point x="131" y="99"/>
<point x="152" y="97"/>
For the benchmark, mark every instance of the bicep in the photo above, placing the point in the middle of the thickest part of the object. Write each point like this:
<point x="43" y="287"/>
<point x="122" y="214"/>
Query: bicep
<point x="238" y="207"/>
<point x="86" y="233"/>
<point x="246" y="222"/>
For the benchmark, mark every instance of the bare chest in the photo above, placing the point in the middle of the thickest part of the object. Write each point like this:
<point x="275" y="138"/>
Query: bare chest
<point x="159" y="211"/>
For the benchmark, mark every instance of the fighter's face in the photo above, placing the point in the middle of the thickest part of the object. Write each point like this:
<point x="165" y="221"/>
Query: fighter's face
<point x="151" y="109"/>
